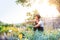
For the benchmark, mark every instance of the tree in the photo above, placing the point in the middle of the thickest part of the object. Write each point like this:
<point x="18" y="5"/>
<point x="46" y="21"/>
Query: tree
<point x="28" y="3"/>
<point x="23" y="2"/>
<point x="55" y="2"/>
<point x="31" y="15"/>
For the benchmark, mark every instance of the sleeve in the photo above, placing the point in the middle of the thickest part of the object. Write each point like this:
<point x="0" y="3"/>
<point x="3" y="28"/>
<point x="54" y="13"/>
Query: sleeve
<point x="41" y="23"/>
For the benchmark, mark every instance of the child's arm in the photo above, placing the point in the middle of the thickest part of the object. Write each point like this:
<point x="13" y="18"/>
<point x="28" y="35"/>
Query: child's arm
<point x="30" y="21"/>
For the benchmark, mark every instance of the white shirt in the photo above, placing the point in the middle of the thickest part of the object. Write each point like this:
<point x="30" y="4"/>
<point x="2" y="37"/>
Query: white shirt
<point x="41" y="23"/>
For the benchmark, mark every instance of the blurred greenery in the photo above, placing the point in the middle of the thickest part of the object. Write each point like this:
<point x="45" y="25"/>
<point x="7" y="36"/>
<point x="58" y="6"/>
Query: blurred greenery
<point x="30" y="34"/>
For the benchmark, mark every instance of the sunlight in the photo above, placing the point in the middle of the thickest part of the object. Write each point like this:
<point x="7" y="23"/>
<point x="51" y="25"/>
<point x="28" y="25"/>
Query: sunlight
<point x="45" y="9"/>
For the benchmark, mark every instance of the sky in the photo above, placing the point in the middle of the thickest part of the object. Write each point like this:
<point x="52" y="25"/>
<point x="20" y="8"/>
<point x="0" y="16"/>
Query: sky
<point x="10" y="12"/>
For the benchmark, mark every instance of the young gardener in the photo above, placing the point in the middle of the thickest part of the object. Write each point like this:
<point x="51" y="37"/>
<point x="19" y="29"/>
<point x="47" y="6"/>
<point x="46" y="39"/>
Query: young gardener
<point x="39" y="25"/>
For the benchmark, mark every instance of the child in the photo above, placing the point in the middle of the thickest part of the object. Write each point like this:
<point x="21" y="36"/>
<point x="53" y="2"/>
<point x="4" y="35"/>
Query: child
<point x="39" y="25"/>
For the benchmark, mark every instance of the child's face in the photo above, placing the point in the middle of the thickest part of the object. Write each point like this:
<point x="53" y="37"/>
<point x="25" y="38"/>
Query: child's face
<point x="36" y="17"/>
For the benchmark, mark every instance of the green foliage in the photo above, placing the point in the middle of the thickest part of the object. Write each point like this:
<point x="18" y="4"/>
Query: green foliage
<point x="3" y="29"/>
<point x="29" y="27"/>
<point x="31" y="16"/>
<point x="38" y="35"/>
<point x="35" y="35"/>
<point x="23" y="2"/>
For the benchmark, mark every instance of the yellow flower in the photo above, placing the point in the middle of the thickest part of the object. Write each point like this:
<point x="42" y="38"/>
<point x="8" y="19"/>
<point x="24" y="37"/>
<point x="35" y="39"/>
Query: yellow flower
<point x="20" y="36"/>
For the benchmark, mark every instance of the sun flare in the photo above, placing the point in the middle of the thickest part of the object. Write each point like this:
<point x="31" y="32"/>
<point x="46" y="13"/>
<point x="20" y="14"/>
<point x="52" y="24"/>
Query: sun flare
<point x="45" y="10"/>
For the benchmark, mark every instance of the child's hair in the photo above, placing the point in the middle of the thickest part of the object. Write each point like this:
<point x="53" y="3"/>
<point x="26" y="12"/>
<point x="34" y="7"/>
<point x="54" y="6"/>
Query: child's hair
<point x="38" y="16"/>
